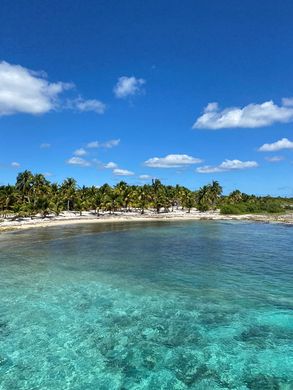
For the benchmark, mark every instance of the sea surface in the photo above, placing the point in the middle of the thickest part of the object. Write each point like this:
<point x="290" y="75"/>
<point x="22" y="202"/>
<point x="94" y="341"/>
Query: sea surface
<point x="152" y="305"/>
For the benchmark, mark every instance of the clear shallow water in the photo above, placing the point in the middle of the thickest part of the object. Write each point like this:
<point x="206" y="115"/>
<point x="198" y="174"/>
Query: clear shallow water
<point x="189" y="305"/>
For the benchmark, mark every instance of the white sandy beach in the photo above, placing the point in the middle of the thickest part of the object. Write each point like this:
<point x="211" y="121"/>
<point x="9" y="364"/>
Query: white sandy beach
<point x="67" y="218"/>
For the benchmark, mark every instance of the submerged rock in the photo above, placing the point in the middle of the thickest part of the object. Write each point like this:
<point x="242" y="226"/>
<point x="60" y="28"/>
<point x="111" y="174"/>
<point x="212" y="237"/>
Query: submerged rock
<point x="264" y="382"/>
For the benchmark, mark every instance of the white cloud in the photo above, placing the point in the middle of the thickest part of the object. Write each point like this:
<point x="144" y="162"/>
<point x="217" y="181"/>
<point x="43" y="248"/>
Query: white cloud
<point x="80" y="152"/>
<point x="25" y="91"/>
<point x="275" y="159"/>
<point x="212" y="107"/>
<point x="283" y="143"/>
<point x="122" y="172"/>
<point x="48" y="174"/>
<point x="172" y="161"/>
<point x="45" y="146"/>
<point x="250" y="116"/>
<point x="110" y="165"/>
<point x="88" y="105"/>
<point x="237" y="164"/>
<point x="128" y="86"/>
<point x="94" y="144"/>
<point x="15" y="164"/>
<point x="228" y="165"/>
<point x="145" y="177"/>
<point x="108" y="144"/>
<point x="287" y="102"/>
<point x="78" y="161"/>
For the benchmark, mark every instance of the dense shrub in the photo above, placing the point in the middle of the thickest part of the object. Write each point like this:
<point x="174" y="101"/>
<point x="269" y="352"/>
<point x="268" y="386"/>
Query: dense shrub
<point x="252" y="207"/>
<point x="272" y="207"/>
<point x="231" y="209"/>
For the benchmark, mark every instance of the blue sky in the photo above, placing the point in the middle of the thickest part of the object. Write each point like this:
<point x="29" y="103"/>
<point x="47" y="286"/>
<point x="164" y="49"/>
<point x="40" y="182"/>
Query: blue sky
<point x="187" y="92"/>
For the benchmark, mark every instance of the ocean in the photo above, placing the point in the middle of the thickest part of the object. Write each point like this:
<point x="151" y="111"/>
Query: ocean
<point x="147" y="305"/>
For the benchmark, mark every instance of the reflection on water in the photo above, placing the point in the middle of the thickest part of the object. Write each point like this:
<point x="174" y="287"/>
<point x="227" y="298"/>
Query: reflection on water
<point x="181" y="305"/>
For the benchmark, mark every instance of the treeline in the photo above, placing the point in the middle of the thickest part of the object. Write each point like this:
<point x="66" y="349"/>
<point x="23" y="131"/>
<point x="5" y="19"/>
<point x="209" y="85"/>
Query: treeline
<point x="33" y="194"/>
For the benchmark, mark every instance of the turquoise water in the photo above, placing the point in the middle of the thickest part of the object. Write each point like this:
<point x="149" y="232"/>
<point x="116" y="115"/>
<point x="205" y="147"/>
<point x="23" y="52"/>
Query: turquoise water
<point x="189" y="305"/>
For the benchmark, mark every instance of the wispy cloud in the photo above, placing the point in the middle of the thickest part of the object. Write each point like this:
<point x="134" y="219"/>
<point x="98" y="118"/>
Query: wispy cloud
<point x="110" y="144"/>
<point x="80" y="152"/>
<point x="287" y="101"/>
<point x="283" y="143"/>
<point x="122" y="172"/>
<point x="274" y="159"/>
<point x="250" y="116"/>
<point x="227" y="165"/>
<point x="128" y="86"/>
<point x="78" y="161"/>
<point x="93" y="144"/>
<point x="110" y="165"/>
<point x="172" y="161"/>
<point x="145" y="177"/>
<point x="45" y="146"/>
<point x="88" y="105"/>
<point x="15" y="164"/>
<point x="107" y="144"/>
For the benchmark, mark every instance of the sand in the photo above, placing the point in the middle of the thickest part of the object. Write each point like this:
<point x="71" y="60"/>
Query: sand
<point x="66" y="218"/>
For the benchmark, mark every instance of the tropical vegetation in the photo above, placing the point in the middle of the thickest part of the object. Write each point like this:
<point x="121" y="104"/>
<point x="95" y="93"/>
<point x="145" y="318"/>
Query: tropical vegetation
<point x="34" y="194"/>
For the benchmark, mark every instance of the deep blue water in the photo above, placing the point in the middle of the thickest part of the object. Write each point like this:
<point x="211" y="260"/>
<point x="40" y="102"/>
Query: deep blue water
<point x="174" y="305"/>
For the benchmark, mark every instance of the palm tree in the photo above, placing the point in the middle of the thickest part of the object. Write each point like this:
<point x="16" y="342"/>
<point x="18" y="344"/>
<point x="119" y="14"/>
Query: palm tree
<point x="158" y="195"/>
<point x="189" y="201"/>
<point x="24" y="184"/>
<point x="68" y="189"/>
<point x="235" y="196"/>
<point x="111" y="201"/>
<point x="142" y="197"/>
<point x="125" y="192"/>
<point x="8" y="197"/>
<point x="216" y="191"/>
<point x="203" y="198"/>
<point x="56" y="201"/>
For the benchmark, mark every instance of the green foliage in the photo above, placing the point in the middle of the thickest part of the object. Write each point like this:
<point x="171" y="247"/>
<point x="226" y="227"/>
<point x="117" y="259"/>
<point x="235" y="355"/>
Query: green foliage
<point x="256" y="206"/>
<point x="208" y="196"/>
<point x="33" y="194"/>
<point x="231" y="209"/>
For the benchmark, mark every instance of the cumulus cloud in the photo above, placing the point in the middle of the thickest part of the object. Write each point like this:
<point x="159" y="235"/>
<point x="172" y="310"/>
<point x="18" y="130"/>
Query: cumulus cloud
<point x="250" y="116"/>
<point x="15" y="164"/>
<point x="227" y="165"/>
<point x="275" y="159"/>
<point x="122" y="172"/>
<point x="108" y="144"/>
<point x="283" y="143"/>
<point x="88" y="105"/>
<point x="172" y="161"/>
<point x="128" y="86"/>
<point x="25" y="91"/>
<point x="78" y="161"/>
<point x="110" y="165"/>
<point x="45" y="146"/>
<point x="80" y="152"/>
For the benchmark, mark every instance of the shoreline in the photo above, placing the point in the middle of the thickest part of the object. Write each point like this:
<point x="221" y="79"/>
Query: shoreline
<point x="70" y="218"/>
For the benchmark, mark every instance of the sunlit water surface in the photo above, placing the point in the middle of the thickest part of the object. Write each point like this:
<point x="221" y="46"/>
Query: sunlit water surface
<point x="189" y="305"/>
